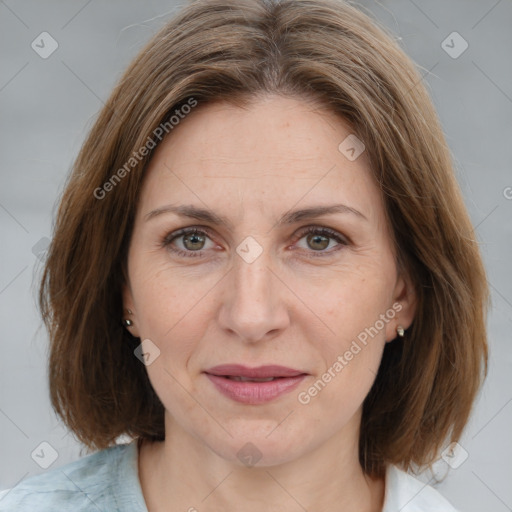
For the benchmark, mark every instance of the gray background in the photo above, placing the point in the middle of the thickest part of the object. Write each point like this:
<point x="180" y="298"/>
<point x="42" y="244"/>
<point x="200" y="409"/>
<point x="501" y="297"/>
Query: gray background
<point x="48" y="105"/>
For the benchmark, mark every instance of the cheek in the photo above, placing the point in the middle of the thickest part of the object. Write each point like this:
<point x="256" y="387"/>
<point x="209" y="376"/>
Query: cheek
<point x="164" y="294"/>
<point x="172" y="313"/>
<point x="350" y="353"/>
<point x="351" y="299"/>
<point x="354" y="309"/>
<point x="174" y="318"/>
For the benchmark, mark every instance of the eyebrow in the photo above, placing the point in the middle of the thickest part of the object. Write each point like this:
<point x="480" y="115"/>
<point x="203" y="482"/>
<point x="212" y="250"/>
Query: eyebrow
<point x="290" y="217"/>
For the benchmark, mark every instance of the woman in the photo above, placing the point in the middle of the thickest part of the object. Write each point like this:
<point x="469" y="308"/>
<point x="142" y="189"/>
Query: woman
<point x="263" y="273"/>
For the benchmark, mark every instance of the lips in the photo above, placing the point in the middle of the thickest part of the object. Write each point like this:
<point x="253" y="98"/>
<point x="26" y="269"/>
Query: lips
<point x="261" y="373"/>
<point x="254" y="385"/>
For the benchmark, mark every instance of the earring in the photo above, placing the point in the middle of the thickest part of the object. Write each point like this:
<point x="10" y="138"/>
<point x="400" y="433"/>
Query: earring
<point x="126" y="321"/>
<point x="400" y="331"/>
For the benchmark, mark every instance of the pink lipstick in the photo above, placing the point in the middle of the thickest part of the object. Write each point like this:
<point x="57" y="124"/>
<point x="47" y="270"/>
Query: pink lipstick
<point x="254" y="385"/>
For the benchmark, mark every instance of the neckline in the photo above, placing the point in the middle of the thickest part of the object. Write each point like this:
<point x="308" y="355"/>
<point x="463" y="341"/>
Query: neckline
<point x="129" y="481"/>
<point x="400" y="487"/>
<point x="129" y="490"/>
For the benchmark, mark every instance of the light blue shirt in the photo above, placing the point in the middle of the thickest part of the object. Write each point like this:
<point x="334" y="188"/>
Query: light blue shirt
<point x="108" y="481"/>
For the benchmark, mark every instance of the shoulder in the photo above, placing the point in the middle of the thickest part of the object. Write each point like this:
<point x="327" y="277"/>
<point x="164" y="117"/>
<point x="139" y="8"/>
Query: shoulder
<point x="90" y="483"/>
<point x="405" y="493"/>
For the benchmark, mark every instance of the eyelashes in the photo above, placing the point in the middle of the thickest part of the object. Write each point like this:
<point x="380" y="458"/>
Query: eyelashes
<point x="186" y="232"/>
<point x="197" y="234"/>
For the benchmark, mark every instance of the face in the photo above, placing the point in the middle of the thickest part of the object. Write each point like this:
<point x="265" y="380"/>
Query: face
<point x="258" y="242"/>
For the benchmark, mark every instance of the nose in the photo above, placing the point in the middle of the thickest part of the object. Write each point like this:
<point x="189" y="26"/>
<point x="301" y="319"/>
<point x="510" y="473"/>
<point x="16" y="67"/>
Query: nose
<point x="254" y="305"/>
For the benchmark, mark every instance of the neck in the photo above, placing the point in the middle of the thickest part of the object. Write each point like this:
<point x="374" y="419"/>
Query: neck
<point x="183" y="474"/>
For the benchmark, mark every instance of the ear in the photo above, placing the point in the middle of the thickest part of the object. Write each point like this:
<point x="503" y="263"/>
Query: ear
<point x="404" y="304"/>
<point x="129" y="311"/>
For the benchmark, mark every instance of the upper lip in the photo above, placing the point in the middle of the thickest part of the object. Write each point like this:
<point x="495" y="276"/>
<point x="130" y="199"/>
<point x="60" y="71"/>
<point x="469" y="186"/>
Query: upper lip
<point x="259" y="372"/>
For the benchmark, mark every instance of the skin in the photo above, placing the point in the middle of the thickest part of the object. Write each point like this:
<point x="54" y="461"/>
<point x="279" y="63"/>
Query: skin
<point x="286" y="307"/>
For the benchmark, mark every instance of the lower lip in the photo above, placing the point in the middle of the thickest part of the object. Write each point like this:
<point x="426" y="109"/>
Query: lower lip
<point x="255" y="392"/>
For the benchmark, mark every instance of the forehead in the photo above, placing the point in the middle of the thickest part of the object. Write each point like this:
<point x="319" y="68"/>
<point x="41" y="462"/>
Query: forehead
<point x="275" y="151"/>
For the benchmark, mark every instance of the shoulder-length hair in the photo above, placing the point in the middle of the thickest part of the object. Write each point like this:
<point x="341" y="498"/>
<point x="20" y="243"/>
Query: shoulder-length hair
<point x="236" y="50"/>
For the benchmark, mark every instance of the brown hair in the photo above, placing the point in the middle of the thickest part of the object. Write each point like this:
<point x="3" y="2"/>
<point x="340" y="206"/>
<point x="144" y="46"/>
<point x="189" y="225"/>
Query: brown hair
<point x="235" y="50"/>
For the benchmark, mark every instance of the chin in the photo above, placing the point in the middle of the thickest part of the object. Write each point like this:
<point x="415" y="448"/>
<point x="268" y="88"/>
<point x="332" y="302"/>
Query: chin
<point x="256" y="448"/>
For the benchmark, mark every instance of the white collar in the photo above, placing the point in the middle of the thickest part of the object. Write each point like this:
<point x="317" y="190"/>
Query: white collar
<point x="405" y="493"/>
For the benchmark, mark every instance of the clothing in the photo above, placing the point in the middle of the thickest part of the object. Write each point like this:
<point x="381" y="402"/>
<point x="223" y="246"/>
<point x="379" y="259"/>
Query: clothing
<point x="108" y="481"/>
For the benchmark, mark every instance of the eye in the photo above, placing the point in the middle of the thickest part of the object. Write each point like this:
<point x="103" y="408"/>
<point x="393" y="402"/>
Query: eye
<point x="193" y="241"/>
<point x="319" y="238"/>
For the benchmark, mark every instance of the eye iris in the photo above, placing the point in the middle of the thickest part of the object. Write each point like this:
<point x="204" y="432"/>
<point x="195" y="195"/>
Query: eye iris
<point x="316" y="238"/>
<point x="195" y="241"/>
<point x="193" y="238"/>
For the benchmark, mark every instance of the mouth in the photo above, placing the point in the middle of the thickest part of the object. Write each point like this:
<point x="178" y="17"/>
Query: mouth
<point x="254" y="385"/>
<point x="240" y="378"/>
<point x="258" y="374"/>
